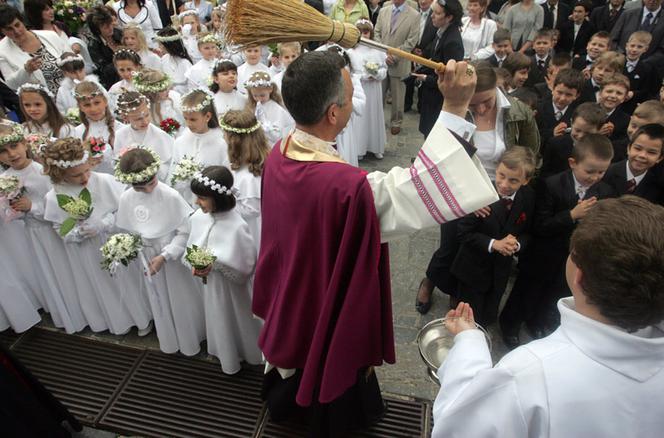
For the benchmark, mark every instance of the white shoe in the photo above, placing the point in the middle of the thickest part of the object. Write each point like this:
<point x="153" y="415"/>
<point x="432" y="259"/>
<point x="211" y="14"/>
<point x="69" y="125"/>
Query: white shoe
<point x="146" y="331"/>
<point x="378" y="156"/>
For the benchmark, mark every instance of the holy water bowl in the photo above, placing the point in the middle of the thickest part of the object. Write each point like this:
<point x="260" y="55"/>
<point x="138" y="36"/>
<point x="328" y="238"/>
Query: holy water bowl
<point x="434" y="342"/>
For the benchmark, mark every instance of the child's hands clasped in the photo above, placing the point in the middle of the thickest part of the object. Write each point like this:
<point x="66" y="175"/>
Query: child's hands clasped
<point x="506" y="246"/>
<point x="460" y="319"/>
<point x="156" y="263"/>
<point x="21" y="204"/>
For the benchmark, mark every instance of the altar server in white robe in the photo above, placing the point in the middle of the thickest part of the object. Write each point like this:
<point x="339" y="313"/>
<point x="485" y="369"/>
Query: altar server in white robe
<point x="264" y="100"/>
<point x="232" y="330"/>
<point x="601" y="373"/>
<point x="160" y="216"/>
<point x="103" y="299"/>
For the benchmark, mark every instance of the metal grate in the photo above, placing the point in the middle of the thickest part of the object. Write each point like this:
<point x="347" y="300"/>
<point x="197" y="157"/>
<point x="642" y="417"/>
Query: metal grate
<point x="83" y="374"/>
<point x="179" y="397"/>
<point x="404" y="419"/>
<point x="8" y="338"/>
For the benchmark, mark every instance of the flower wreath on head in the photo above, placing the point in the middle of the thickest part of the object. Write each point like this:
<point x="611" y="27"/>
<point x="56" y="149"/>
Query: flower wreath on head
<point x="126" y="50"/>
<point x="138" y="177"/>
<point x="214" y="185"/>
<point x="168" y="38"/>
<point x="97" y="92"/>
<point x="210" y="38"/>
<point x="209" y="99"/>
<point x="31" y="86"/>
<point x="260" y="79"/>
<point x="154" y="87"/>
<point x="15" y="136"/>
<point x="70" y="58"/>
<point x="124" y="108"/>
<point x="218" y="62"/>
<point x="235" y="130"/>
<point x="64" y="164"/>
<point x="364" y="21"/>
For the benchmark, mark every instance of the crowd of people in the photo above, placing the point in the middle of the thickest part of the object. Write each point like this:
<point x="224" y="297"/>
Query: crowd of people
<point x="134" y="123"/>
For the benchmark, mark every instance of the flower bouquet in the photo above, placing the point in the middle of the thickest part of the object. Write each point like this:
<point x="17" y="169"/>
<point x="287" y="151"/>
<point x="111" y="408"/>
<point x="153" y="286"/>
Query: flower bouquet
<point x="73" y="116"/>
<point x="185" y="170"/>
<point x="71" y="13"/>
<point x="170" y="126"/>
<point x="199" y="258"/>
<point x="97" y="146"/>
<point x="10" y="189"/>
<point x="37" y="143"/>
<point x="120" y="249"/>
<point x="78" y="209"/>
<point x="372" y="68"/>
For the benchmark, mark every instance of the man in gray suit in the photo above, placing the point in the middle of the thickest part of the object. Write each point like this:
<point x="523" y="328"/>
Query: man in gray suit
<point x="649" y="18"/>
<point x="398" y="25"/>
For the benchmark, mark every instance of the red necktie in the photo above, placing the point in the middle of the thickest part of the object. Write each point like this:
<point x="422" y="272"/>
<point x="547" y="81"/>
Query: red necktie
<point x="507" y="202"/>
<point x="631" y="185"/>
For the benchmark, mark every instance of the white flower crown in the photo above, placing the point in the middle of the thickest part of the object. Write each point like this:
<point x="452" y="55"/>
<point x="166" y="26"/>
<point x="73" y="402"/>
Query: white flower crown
<point x="129" y="51"/>
<point x="97" y="92"/>
<point x="259" y="79"/>
<point x="70" y="58"/>
<point x="123" y="108"/>
<point x="214" y="186"/>
<point x="14" y="137"/>
<point x="155" y="87"/>
<point x="64" y="164"/>
<point x="210" y="38"/>
<point x="218" y="62"/>
<point x="209" y="98"/>
<point x="364" y="21"/>
<point x="168" y="38"/>
<point x="235" y="130"/>
<point x="139" y="177"/>
<point x="30" y="86"/>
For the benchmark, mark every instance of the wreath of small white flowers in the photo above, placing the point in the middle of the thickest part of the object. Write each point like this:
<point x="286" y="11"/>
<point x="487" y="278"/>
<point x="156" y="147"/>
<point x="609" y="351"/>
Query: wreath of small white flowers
<point x="124" y="108"/>
<point x="154" y="87"/>
<point x="168" y="38"/>
<point x="235" y="130"/>
<point x="139" y="177"/>
<point x="97" y="92"/>
<point x="128" y="51"/>
<point x="209" y="98"/>
<point x="364" y="21"/>
<point x="215" y="186"/>
<point x="259" y="79"/>
<point x="70" y="58"/>
<point x="64" y="164"/>
<point x="29" y="86"/>
<point x="210" y="38"/>
<point x="14" y="137"/>
<point x="218" y="62"/>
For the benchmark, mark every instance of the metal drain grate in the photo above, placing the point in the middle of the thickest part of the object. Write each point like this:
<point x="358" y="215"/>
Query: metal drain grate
<point x="83" y="374"/>
<point x="8" y="338"/>
<point x="180" y="397"/>
<point x="404" y="419"/>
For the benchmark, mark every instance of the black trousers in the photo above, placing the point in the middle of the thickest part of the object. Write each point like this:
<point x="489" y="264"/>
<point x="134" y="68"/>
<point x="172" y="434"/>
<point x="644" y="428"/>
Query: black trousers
<point x="441" y="261"/>
<point x="483" y="302"/>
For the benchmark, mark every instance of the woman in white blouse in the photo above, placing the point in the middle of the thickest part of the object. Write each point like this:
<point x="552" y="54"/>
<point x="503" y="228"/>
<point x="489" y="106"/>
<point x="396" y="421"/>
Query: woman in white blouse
<point x="477" y="31"/>
<point x="141" y="12"/>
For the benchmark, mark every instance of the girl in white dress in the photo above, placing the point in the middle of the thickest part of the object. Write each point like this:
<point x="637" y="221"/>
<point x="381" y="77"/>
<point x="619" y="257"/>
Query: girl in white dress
<point x="134" y="108"/>
<point x="264" y="100"/>
<point x="232" y="330"/>
<point x="73" y="68"/>
<point x="247" y="152"/>
<point x="191" y="27"/>
<point x="252" y="64"/>
<point x="103" y="299"/>
<point x="224" y="83"/>
<point x="164" y="102"/>
<point x="199" y="74"/>
<point x="45" y="249"/>
<point x="372" y="67"/>
<point x="176" y="60"/>
<point x="126" y="62"/>
<point x="40" y="112"/>
<point x="202" y="142"/>
<point x="97" y="121"/>
<point x="160" y="216"/>
<point x="134" y="39"/>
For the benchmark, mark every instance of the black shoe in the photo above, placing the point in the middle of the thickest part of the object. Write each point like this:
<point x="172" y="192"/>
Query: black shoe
<point x="423" y="308"/>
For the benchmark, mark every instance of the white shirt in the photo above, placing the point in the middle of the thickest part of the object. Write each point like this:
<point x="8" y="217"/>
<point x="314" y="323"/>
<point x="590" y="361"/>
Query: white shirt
<point x="199" y="74"/>
<point x="224" y="102"/>
<point x="579" y="189"/>
<point x="561" y="111"/>
<point x="654" y="13"/>
<point x="631" y="176"/>
<point x="176" y="68"/>
<point x="576" y="30"/>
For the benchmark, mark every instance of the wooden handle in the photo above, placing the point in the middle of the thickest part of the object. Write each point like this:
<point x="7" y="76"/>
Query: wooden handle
<point x="437" y="66"/>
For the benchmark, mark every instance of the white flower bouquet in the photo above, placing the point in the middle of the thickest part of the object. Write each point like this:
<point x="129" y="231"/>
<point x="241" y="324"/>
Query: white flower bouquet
<point x="10" y="189"/>
<point x="78" y="209"/>
<point x="120" y="249"/>
<point x="73" y="116"/>
<point x="185" y="170"/>
<point x="199" y="258"/>
<point x="372" y="68"/>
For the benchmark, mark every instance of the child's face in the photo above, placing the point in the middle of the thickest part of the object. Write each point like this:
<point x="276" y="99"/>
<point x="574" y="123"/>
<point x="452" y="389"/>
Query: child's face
<point x="94" y="108"/>
<point x="542" y="46"/>
<point x="635" y="49"/>
<point x="15" y="155"/>
<point x="563" y="96"/>
<point x="520" y="77"/>
<point x="77" y="75"/>
<point x="34" y="106"/>
<point x="147" y="187"/>
<point x="590" y="170"/>
<point x="206" y="204"/>
<point x="209" y="51"/>
<point x="580" y="127"/>
<point x="287" y="56"/>
<point x="227" y="80"/>
<point x="596" y="46"/>
<point x="643" y="153"/>
<point x="139" y="119"/>
<point x="261" y="95"/>
<point x="79" y="175"/>
<point x="508" y="181"/>
<point x="503" y="48"/>
<point x="610" y="96"/>
<point x="216" y="22"/>
<point x="252" y="55"/>
<point x="130" y="41"/>
<point x="125" y="68"/>
<point x="197" y="121"/>
<point x="600" y="71"/>
<point x="366" y="34"/>
<point x="578" y="14"/>
<point x="191" y="20"/>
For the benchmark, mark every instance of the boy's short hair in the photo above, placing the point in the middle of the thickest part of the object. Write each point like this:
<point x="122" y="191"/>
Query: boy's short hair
<point x="585" y="4"/>
<point x="602" y="34"/>
<point x="597" y="145"/>
<point x="613" y="60"/>
<point x="543" y="34"/>
<point x="527" y="96"/>
<point x="293" y="46"/>
<point x="516" y="61"/>
<point x="651" y="110"/>
<point x="641" y="36"/>
<point x="519" y="157"/>
<point x="591" y="112"/>
<point x="561" y="59"/>
<point x="570" y="78"/>
<point x="654" y="131"/>
<point x="619" y="248"/>
<point x="501" y="35"/>
<point x="616" y="79"/>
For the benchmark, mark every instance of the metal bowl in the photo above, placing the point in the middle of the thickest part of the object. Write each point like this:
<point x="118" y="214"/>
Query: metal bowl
<point x="434" y="342"/>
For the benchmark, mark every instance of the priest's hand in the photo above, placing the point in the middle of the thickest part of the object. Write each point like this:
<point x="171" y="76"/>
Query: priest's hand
<point x="460" y="319"/>
<point x="457" y="85"/>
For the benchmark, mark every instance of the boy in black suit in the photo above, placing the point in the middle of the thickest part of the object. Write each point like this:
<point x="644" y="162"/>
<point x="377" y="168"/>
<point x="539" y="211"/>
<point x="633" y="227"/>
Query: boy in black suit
<point x="542" y="44"/>
<point x="588" y="118"/>
<point x="484" y="260"/>
<point x="598" y="44"/>
<point x="559" y="61"/>
<point x="576" y="32"/>
<point x="607" y="64"/>
<point x="555" y="112"/>
<point x="637" y="175"/>
<point x="502" y="46"/>
<point x="613" y="92"/>
<point x="562" y="200"/>
<point x="642" y="76"/>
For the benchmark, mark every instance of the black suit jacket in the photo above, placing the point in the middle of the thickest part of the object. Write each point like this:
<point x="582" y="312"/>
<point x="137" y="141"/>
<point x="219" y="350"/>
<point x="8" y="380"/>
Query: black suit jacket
<point x="643" y="81"/>
<point x="474" y="265"/>
<point x="580" y="62"/>
<point x="588" y="92"/>
<point x="9" y="99"/>
<point x="546" y="119"/>
<point x="618" y="138"/>
<point x="493" y="60"/>
<point x="563" y="11"/>
<point x="567" y="43"/>
<point x="428" y="35"/>
<point x="542" y="91"/>
<point x="648" y="188"/>
<point x="373" y="16"/>
<point x="537" y="74"/>
<point x="601" y="20"/>
<point x="629" y="22"/>
<point x="554" y="158"/>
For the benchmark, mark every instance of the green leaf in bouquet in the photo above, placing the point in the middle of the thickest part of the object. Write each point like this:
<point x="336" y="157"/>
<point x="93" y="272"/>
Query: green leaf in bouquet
<point x="63" y="200"/>
<point x="124" y="262"/>
<point x="86" y="196"/>
<point x="67" y="226"/>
